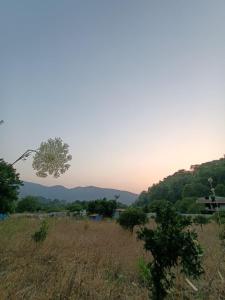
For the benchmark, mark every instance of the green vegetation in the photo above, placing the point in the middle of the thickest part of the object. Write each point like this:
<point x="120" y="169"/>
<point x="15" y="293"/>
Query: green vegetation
<point x="9" y="187"/>
<point x="144" y="272"/>
<point x="132" y="217"/>
<point x="41" y="234"/>
<point x="28" y="204"/>
<point x="171" y="244"/>
<point x="102" y="207"/>
<point x="184" y="187"/>
<point x="189" y="206"/>
<point x="40" y="204"/>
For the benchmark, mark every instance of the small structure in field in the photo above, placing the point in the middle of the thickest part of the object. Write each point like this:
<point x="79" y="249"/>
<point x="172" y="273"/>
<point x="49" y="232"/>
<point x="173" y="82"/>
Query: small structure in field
<point x="212" y="204"/>
<point x="83" y="213"/>
<point x="118" y="212"/>
<point x="57" y="214"/>
<point x="95" y="217"/>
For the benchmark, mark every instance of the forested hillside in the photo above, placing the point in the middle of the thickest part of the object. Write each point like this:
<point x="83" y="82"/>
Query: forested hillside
<point x="184" y="184"/>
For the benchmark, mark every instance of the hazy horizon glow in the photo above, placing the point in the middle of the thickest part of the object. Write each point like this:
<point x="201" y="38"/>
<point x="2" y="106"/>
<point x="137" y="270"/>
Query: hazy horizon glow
<point x="136" y="88"/>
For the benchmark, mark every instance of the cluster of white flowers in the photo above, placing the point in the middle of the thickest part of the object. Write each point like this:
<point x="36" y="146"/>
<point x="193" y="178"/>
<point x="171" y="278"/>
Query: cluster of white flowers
<point x="52" y="158"/>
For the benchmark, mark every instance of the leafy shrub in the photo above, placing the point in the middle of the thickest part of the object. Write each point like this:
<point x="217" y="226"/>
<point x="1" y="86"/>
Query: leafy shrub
<point x="41" y="234"/>
<point x="170" y="244"/>
<point x="144" y="272"/>
<point x="132" y="217"/>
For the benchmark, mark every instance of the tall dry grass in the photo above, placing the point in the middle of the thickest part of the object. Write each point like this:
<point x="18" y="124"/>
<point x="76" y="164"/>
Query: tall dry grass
<point x="90" y="260"/>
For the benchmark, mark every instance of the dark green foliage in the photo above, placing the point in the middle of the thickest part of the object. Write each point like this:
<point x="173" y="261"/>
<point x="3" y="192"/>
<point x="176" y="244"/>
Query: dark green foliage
<point x="41" y="234"/>
<point x="40" y="204"/>
<point x="195" y="189"/>
<point x="132" y="217"/>
<point x="171" y="188"/>
<point x="143" y="199"/>
<point x="53" y="205"/>
<point x="9" y="187"/>
<point x="189" y="206"/>
<point x="201" y="220"/>
<point x="220" y="190"/>
<point x="102" y="207"/>
<point x="155" y="204"/>
<point x="28" y="204"/>
<point x="74" y="207"/>
<point x="146" y="209"/>
<point x="170" y="244"/>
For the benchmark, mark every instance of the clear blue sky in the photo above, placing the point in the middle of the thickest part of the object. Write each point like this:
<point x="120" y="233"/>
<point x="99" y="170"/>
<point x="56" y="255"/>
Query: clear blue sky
<point x="136" y="88"/>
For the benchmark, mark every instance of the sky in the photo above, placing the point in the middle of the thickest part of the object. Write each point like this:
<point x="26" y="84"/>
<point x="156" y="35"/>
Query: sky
<point x="136" y="88"/>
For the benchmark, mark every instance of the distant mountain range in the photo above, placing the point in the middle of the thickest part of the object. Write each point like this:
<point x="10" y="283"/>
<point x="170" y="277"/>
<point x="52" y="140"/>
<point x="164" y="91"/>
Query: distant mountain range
<point x="77" y="193"/>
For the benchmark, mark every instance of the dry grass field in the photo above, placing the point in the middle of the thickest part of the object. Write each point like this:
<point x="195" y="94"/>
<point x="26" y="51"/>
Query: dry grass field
<point x="91" y="260"/>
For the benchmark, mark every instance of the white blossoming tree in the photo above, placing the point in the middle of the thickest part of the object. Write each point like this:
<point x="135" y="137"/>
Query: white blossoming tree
<point x="51" y="158"/>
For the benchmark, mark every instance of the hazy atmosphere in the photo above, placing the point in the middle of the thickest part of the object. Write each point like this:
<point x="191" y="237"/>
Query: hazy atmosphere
<point x="136" y="88"/>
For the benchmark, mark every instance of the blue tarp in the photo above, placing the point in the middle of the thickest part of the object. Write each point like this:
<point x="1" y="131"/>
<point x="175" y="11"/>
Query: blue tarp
<point x="95" y="217"/>
<point x="3" y="216"/>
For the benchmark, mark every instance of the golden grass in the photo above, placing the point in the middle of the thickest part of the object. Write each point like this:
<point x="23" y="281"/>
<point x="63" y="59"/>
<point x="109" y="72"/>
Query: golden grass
<point x="90" y="260"/>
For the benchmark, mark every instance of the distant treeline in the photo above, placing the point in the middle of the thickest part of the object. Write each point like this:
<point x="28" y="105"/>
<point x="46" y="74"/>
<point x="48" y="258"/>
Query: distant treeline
<point x="184" y="187"/>
<point x="40" y="204"/>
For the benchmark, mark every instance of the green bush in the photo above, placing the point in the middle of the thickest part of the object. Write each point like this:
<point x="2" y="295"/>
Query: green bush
<point x="132" y="217"/>
<point x="171" y="244"/>
<point x="41" y="234"/>
<point x="144" y="272"/>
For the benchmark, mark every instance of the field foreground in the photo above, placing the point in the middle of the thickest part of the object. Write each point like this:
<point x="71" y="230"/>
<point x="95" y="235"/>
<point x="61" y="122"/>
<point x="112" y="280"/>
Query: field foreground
<point x="90" y="260"/>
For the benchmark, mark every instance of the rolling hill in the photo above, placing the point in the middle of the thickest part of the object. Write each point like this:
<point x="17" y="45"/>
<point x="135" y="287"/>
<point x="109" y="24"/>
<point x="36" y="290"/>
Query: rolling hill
<point x="77" y="193"/>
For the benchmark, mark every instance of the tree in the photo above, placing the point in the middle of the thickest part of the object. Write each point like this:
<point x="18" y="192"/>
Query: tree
<point x="9" y="187"/>
<point x="170" y="244"/>
<point x="220" y="190"/>
<point x="28" y="204"/>
<point x="155" y="204"/>
<point x="103" y="207"/>
<point x="50" y="158"/>
<point x="132" y="217"/>
<point x="189" y="205"/>
<point x="74" y="207"/>
<point x="195" y="189"/>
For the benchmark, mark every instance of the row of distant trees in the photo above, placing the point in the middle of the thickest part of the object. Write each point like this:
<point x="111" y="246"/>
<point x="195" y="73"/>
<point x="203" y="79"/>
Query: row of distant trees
<point x="103" y="206"/>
